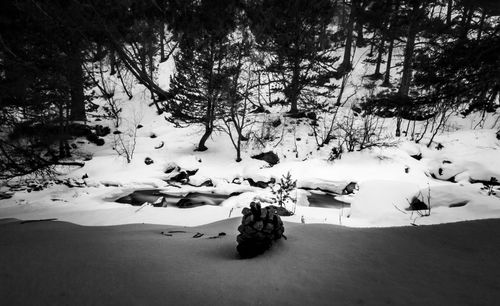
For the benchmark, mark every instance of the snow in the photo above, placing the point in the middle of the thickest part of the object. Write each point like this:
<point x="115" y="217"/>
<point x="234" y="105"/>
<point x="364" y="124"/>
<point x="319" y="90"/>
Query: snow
<point x="59" y="263"/>
<point x="388" y="177"/>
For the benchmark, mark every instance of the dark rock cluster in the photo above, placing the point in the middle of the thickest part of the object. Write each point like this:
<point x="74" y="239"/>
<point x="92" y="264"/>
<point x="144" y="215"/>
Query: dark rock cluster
<point x="259" y="228"/>
<point x="270" y="157"/>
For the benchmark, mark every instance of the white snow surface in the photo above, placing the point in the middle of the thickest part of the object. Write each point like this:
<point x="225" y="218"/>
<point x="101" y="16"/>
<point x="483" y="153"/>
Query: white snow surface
<point x="388" y="178"/>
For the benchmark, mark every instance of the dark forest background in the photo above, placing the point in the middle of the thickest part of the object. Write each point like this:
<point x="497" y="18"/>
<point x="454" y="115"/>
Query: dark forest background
<point x="234" y="56"/>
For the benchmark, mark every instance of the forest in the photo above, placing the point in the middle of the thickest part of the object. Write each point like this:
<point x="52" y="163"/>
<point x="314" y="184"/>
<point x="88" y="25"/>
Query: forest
<point x="428" y="60"/>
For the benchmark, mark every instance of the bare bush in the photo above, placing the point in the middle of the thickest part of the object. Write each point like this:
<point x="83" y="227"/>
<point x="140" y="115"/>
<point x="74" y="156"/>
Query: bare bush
<point x="124" y="142"/>
<point x="357" y="133"/>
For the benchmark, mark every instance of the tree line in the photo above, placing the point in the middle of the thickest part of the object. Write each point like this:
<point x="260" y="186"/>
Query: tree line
<point x="237" y="56"/>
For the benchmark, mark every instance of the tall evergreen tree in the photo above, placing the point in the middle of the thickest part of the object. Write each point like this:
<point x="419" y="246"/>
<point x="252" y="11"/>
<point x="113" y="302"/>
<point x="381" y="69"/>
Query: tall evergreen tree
<point x="292" y="33"/>
<point x="202" y="64"/>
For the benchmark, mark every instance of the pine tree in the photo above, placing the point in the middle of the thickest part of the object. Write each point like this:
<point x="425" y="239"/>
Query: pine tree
<point x="203" y="72"/>
<point x="293" y="35"/>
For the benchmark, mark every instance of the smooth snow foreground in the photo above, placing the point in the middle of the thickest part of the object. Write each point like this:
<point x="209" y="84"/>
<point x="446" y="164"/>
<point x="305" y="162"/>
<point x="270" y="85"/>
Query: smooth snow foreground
<point x="56" y="263"/>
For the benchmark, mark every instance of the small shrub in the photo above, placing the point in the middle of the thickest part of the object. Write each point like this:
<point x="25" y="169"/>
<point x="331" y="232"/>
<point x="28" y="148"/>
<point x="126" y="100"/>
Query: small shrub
<point x="490" y="185"/>
<point x="282" y="191"/>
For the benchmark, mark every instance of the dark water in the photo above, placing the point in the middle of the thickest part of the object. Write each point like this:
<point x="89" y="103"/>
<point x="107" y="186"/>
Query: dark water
<point x="161" y="199"/>
<point x="325" y="200"/>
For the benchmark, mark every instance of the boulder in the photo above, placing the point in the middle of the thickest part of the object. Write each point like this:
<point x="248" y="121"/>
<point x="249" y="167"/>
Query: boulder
<point x="102" y="131"/>
<point x="349" y="189"/>
<point x="181" y="177"/>
<point x="171" y="167"/>
<point x="270" y="157"/>
<point x="260" y="184"/>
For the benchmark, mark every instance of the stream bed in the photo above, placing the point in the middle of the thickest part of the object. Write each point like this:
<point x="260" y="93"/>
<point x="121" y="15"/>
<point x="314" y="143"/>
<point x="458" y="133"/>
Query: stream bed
<point x="159" y="198"/>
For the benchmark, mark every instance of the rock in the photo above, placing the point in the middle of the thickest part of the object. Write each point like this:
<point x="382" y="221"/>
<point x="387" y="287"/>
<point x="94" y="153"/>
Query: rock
<point x="207" y="183"/>
<point x="181" y="177"/>
<point x="79" y="130"/>
<point x="102" y="131"/>
<point x="191" y="172"/>
<point x="117" y="132"/>
<point x="6" y="195"/>
<point x="260" y="109"/>
<point x="140" y="126"/>
<point x="171" y="167"/>
<point x="312" y="116"/>
<point x="260" y="184"/>
<point x="276" y="122"/>
<point x="417" y="204"/>
<point x="270" y="157"/>
<point x="417" y="156"/>
<point x="148" y="161"/>
<point x="196" y="199"/>
<point x="153" y="135"/>
<point x="349" y="189"/>
<point x="95" y="139"/>
<point x="498" y="135"/>
<point x="99" y="142"/>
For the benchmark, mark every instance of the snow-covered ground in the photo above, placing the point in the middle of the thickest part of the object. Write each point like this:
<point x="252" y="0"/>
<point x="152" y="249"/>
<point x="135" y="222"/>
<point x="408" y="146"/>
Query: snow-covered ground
<point x="388" y="178"/>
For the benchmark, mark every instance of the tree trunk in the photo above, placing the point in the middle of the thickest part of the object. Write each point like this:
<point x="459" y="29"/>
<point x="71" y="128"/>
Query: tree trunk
<point x="112" y="62"/>
<point x="387" y="77"/>
<point x="201" y="145"/>
<point x="404" y="86"/>
<point x="293" y="91"/>
<point x="360" y="40"/>
<point x="238" y="148"/>
<point x="75" y="79"/>
<point x="346" y="62"/>
<point x="162" y="43"/>
<point x="377" y="73"/>
<point x="481" y="25"/>
<point x="449" y="8"/>
<point x="466" y="21"/>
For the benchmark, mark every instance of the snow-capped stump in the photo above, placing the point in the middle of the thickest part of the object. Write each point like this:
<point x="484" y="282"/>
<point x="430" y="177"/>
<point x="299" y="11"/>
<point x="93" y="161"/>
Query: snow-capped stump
<point x="270" y="157"/>
<point x="148" y="161"/>
<point x="259" y="228"/>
